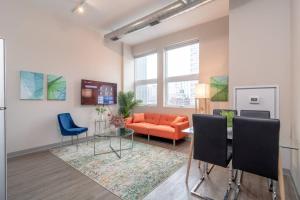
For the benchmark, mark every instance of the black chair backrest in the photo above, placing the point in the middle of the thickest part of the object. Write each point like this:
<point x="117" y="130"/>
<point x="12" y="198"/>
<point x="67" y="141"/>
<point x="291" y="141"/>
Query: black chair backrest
<point x="210" y="139"/>
<point x="264" y="114"/>
<point x="256" y="146"/>
<point x="219" y="111"/>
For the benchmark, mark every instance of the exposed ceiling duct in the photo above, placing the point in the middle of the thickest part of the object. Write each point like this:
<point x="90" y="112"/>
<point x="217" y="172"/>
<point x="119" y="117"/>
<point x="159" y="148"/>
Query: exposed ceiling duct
<point x="171" y="10"/>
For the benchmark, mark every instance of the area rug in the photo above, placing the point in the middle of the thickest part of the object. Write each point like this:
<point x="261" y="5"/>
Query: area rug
<point x="136" y="174"/>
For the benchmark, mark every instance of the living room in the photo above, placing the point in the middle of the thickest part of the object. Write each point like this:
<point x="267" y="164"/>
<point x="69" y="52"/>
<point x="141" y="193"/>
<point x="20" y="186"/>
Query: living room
<point x="244" y="44"/>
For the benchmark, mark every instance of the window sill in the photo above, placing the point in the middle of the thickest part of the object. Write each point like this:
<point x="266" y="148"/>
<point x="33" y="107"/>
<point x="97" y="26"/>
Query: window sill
<point x="180" y="107"/>
<point x="149" y="105"/>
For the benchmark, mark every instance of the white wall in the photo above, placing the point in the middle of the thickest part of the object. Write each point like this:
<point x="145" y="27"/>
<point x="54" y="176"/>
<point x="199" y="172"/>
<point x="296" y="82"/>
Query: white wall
<point x="128" y="69"/>
<point x="41" y="42"/>
<point x="213" y="39"/>
<point x="295" y="24"/>
<point x="259" y="52"/>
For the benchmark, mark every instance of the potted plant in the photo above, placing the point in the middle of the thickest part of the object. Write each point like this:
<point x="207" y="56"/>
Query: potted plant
<point x="101" y="110"/>
<point x="127" y="102"/>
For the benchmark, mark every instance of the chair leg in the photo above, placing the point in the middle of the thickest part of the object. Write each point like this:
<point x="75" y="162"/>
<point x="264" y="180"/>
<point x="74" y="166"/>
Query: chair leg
<point x="174" y="142"/>
<point x="229" y="182"/>
<point x="72" y="140"/>
<point x="274" y="196"/>
<point x="204" y="173"/>
<point x="238" y="183"/>
<point x="148" y="138"/>
<point x="77" y="143"/>
<point x="86" y="136"/>
<point x="198" y="184"/>
<point x="270" y="185"/>
<point x="62" y="140"/>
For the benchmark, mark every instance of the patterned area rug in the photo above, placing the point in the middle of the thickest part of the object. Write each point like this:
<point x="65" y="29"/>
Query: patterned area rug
<point x="136" y="174"/>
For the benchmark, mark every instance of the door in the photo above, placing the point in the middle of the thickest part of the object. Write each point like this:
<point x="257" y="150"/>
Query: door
<point x="2" y="123"/>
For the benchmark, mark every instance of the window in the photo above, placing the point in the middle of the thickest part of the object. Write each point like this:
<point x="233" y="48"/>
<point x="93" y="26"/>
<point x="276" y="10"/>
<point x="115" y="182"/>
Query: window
<point x="181" y="75"/>
<point x="146" y="79"/>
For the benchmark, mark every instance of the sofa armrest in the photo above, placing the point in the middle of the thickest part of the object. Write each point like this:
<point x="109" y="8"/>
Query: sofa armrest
<point x="128" y="120"/>
<point x="181" y="126"/>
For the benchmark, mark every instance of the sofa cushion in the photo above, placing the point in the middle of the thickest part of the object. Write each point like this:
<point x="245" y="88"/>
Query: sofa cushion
<point x="152" y="118"/>
<point x="138" y="117"/>
<point x="161" y="129"/>
<point x="166" y="119"/>
<point x="142" y="127"/>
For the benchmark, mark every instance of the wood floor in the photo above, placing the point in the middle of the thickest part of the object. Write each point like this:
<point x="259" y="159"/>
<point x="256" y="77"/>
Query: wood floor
<point x="42" y="176"/>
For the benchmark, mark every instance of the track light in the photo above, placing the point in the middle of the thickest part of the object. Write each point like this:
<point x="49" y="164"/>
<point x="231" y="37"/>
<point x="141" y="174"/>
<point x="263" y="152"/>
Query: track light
<point x="79" y="8"/>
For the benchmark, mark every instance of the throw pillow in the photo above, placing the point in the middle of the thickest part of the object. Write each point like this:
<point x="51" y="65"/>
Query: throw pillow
<point x="138" y="117"/>
<point x="178" y="119"/>
<point x="229" y="115"/>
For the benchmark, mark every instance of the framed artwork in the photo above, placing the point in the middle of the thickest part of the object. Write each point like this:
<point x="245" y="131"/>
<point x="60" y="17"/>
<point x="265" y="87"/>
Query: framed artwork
<point x="56" y="87"/>
<point x="219" y="88"/>
<point x="31" y="85"/>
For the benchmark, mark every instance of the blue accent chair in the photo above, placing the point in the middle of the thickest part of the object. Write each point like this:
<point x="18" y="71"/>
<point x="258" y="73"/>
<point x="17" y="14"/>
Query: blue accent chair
<point x="69" y="128"/>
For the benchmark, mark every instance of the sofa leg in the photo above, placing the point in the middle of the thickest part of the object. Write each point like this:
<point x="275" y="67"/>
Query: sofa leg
<point x="174" y="143"/>
<point x="148" y="138"/>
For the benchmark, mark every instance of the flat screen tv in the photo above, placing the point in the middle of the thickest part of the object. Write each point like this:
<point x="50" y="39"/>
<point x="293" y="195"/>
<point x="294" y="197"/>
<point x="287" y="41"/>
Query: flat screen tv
<point x="98" y="93"/>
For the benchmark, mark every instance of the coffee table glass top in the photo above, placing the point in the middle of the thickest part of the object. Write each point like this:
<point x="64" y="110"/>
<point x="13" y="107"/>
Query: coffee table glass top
<point x="118" y="132"/>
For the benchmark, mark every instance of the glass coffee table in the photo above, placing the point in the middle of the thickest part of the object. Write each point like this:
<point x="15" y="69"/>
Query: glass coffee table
<point x="119" y="133"/>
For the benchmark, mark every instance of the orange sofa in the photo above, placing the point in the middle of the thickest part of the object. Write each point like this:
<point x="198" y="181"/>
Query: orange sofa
<point x="160" y="125"/>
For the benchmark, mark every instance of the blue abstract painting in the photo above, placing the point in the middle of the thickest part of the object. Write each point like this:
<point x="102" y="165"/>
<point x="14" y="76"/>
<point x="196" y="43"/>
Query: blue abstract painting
<point x="31" y="85"/>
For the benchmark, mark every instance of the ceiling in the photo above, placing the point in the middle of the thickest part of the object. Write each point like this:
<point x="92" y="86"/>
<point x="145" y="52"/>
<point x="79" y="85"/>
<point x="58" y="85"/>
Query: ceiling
<point x="108" y="15"/>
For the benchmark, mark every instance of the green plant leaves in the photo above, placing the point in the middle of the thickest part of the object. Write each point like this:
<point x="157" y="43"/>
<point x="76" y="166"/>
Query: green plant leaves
<point x="127" y="102"/>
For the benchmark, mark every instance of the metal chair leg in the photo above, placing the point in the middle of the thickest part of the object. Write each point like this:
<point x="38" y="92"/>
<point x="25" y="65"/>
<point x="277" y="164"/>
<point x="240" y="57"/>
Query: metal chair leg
<point x="72" y="140"/>
<point x="77" y="143"/>
<point x="270" y="185"/>
<point x="148" y="138"/>
<point x="204" y="173"/>
<point x="238" y="183"/>
<point x="229" y="182"/>
<point x="62" y="140"/>
<point x="174" y="143"/>
<point x="274" y="188"/>
<point x="198" y="184"/>
<point x="86" y="136"/>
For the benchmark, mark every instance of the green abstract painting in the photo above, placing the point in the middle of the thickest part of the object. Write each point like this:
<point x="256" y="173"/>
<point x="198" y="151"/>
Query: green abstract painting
<point x="56" y="87"/>
<point x="219" y="88"/>
<point x="31" y="85"/>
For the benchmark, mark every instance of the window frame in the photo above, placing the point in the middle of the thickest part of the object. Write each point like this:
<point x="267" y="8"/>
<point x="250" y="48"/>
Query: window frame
<point x="146" y="81"/>
<point x="182" y="78"/>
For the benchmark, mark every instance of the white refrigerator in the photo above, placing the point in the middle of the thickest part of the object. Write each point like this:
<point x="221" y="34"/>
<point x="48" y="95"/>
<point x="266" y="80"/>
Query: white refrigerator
<point x="2" y="122"/>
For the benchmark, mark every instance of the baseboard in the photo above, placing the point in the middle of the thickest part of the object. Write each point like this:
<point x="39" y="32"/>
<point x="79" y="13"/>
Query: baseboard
<point x="45" y="147"/>
<point x="288" y="173"/>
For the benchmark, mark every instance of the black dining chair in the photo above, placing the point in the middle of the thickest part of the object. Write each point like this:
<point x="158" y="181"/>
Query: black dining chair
<point x="211" y="146"/>
<point x="264" y="114"/>
<point x="256" y="148"/>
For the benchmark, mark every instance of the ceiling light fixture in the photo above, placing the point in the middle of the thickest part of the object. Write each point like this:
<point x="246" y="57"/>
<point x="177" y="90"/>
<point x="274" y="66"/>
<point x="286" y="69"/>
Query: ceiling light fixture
<point x="79" y="8"/>
<point x="174" y="9"/>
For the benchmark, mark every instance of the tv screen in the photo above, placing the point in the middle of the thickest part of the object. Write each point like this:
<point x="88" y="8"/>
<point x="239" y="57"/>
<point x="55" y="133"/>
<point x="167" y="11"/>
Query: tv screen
<point x="98" y="93"/>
